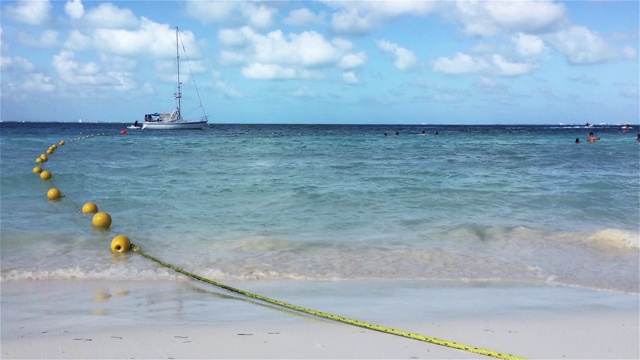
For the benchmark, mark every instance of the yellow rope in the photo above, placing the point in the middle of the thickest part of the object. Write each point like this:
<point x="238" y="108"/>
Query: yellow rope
<point x="325" y="315"/>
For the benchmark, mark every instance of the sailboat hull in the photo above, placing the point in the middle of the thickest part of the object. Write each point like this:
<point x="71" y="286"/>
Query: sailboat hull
<point x="174" y="125"/>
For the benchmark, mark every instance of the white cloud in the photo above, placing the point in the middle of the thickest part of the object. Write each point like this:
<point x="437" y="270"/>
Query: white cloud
<point x="230" y="58"/>
<point x="460" y="64"/>
<point x="268" y="72"/>
<point x="360" y="17"/>
<point x="403" y="59"/>
<point x="15" y="64"/>
<point x="37" y="82"/>
<point x="74" y="73"/>
<point x="312" y="49"/>
<point x="77" y="41"/>
<point x="495" y="65"/>
<point x="279" y="56"/>
<point x="150" y="39"/>
<point x="503" y="67"/>
<point x="232" y="37"/>
<point x="109" y="16"/>
<point x="582" y="46"/>
<point x="527" y="45"/>
<point x="47" y="39"/>
<point x="29" y="12"/>
<point x="527" y="16"/>
<point x="302" y="17"/>
<point x="488" y="18"/>
<point x="352" y="61"/>
<point x="350" y="78"/>
<point x="254" y="14"/>
<point x="74" y="9"/>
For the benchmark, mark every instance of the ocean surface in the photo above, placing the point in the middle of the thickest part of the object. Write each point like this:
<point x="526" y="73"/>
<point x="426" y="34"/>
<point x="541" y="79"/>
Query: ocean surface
<point x="259" y="203"/>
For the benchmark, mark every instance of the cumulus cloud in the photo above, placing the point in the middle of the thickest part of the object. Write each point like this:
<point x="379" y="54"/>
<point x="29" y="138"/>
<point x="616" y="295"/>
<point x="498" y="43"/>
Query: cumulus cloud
<point x="109" y="16"/>
<point x="47" y="39"/>
<point x="403" y="59"/>
<point x="37" y="82"/>
<point x="77" y="41"/>
<point x="269" y="71"/>
<point x="23" y="78"/>
<point x="29" y="12"/>
<point x="582" y="46"/>
<point x="495" y="65"/>
<point x="352" y="61"/>
<point x="350" y="78"/>
<point x="256" y="15"/>
<point x="488" y="18"/>
<point x="73" y="72"/>
<point x="16" y="63"/>
<point x="528" y="16"/>
<point x="528" y="45"/>
<point x="503" y="67"/>
<point x="150" y="39"/>
<point x="460" y="64"/>
<point x="275" y="55"/>
<point x="302" y="17"/>
<point x="74" y="9"/>
<point x="360" y="17"/>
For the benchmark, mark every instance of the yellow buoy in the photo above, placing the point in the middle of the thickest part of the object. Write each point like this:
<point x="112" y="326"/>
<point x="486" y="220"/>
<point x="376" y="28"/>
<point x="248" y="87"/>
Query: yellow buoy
<point x="54" y="194"/>
<point x="54" y="146"/>
<point x="49" y="151"/>
<point x="89" y="208"/>
<point x="45" y="175"/>
<point x="44" y="157"/>
<point x="39" y="160"/>
<point x="120" y="243"/>
<point x="62" y="142"/>
<point x="101" y="219"/>
<point x="37" y="170"/>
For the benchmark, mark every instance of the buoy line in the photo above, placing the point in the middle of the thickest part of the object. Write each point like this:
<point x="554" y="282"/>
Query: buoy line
<point x="329" y="316"/>
<point x="121" y="243"/>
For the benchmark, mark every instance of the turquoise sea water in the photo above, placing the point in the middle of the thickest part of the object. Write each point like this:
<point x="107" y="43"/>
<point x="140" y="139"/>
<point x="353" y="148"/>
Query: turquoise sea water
<point x="490" y="204"/>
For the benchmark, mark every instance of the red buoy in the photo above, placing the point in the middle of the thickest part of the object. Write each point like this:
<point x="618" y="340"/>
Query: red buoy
<point x="123" y="131"/>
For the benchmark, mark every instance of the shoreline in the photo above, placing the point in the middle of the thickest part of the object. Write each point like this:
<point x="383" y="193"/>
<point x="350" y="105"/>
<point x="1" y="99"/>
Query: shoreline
<point x="184" y="319"/>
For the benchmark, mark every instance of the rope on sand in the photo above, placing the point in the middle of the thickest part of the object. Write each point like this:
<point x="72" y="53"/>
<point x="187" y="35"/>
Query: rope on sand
<point x="329" y="316"/>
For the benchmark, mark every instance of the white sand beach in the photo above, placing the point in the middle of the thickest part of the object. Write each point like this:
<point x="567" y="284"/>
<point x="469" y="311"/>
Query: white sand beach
<point x="94" y="319"/>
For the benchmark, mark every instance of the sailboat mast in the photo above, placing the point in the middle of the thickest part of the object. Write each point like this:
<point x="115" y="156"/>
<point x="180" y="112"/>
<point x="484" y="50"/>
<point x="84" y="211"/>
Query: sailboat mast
<point x="179" y="94"/>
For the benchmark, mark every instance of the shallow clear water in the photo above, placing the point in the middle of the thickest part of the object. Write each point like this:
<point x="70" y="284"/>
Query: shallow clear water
<point x="270" y="202"/>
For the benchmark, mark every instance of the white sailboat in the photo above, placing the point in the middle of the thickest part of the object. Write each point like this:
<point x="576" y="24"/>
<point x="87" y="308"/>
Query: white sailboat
<point x="174" y="120"/>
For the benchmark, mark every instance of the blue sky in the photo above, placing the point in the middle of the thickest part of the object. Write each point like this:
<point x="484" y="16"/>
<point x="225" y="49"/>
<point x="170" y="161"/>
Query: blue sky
<point x="433" y="62"/>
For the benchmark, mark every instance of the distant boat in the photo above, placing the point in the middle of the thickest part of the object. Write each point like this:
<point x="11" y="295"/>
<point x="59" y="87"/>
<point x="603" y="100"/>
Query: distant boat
<point x="626" y="127"/>
<point x="135" y="125"/>
<point x="174" y="120"/>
